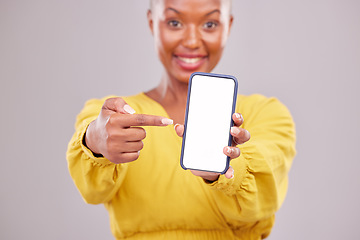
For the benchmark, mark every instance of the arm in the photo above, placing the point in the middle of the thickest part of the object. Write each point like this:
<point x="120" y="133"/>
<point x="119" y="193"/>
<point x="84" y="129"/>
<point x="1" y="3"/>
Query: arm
<point x="96" y="178"/>
<point x="255" y="186"/>
<point x="261" y="172"/>
<point x="105" y="140"/>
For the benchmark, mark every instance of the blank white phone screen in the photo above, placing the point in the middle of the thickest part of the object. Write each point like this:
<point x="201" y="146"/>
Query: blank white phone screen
<point x="209" y="115"/>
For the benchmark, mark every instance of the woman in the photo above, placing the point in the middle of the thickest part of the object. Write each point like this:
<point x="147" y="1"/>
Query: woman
<point x="125" y="153"/>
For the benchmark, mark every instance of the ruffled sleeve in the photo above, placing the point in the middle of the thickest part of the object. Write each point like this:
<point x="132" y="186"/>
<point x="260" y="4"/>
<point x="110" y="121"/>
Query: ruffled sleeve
<point x="261" y="172"/>
<point x="96" y="178"/>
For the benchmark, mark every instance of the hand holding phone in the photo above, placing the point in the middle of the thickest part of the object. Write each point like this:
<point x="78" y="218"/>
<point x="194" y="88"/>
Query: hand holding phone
<point x="208" y="120"/>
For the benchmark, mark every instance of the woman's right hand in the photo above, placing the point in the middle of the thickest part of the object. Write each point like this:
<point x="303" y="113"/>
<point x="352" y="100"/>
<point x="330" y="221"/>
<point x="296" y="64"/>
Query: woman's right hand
<point x="116" y="134"/>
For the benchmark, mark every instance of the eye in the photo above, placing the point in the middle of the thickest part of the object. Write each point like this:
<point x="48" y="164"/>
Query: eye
<point x="174" y="23"/>
<point x="210" y="25"/>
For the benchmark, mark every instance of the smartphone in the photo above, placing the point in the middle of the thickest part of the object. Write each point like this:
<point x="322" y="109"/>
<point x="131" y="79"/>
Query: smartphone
<point x="210" y="104"/>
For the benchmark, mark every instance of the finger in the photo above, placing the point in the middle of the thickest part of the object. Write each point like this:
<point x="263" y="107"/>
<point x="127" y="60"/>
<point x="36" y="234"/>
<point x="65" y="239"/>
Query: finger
<point x="125" y="157"/>
<point x="133" y="146"/>
<point x="229" y="173"/>
<point x="232" y="152"/>
<point x="129" y="120"/>
<point x="179" y="129"/>
<point x="210" y="176"/>
<point x="238" y="119"/>
<point x="118" y="105"/>
<point x="134" y="134"/>
<point x="240" y="135"/>
<point x="127" y="134"/>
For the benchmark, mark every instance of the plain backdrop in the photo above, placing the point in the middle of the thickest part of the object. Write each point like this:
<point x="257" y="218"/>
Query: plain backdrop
<point x="56" y="54"/>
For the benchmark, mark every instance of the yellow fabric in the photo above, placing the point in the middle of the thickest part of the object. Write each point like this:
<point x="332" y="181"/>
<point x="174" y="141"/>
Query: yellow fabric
<point x="154" y="198"/>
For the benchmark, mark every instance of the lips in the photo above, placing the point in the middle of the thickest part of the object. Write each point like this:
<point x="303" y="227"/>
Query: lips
<point x="190" y="62"/>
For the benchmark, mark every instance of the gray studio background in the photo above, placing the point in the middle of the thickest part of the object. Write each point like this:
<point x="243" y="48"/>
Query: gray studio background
<point x="54" y="55"/>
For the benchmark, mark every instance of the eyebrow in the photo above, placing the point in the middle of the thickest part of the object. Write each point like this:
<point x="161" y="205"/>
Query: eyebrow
<point x="214" y="11"/>
<point x="172" y="9"/>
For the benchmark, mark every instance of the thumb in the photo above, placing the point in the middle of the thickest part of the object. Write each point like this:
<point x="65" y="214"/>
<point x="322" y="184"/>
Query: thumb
<point x="118" y="105"/>
<point x="179" y="129"/>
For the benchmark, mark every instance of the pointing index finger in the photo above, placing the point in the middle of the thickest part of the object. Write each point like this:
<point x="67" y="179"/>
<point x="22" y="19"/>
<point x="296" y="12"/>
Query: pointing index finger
<point x="144" y="120"/>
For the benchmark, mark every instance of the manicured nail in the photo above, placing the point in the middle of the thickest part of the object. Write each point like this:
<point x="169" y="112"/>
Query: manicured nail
<point x="176" y="125"/>
<point x="229" y="150"/>
<point x="235" y="130"/>
<point x="238" y="115"/>
<point x="247" y="134"/>
<point x="233" y="174"/>
<point x="167" y="121"/>
<point x="129" y="109"/>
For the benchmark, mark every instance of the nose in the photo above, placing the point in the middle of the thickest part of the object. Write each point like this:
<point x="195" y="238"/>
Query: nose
<point x="192" y="38"/>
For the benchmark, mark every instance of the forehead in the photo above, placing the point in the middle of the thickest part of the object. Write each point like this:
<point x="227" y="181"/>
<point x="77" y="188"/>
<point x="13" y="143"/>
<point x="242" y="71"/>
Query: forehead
<point x="198" y="5"/>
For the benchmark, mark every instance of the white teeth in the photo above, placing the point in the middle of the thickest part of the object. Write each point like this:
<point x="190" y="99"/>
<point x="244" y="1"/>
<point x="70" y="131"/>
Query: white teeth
<point x="190" y="60"/>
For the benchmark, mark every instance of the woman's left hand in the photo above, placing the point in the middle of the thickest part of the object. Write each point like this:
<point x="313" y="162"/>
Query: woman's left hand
<point x="240" y="136"/>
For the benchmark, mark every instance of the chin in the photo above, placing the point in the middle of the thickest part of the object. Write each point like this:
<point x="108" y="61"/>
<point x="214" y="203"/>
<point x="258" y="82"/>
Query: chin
<point x="184" y="76"/>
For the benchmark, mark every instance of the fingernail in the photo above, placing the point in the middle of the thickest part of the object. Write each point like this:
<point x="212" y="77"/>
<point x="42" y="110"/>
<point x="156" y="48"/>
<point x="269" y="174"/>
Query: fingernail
<point x="176" y="125"/>
<point x="235" y="130"/>
<point x="167" y="121"/>
<point x="247" y="134"/>
<point x="238" y="115"/>
<point x="233" y="174"/>
<point x="129" y="109"/>
<point x="228" y="150"/>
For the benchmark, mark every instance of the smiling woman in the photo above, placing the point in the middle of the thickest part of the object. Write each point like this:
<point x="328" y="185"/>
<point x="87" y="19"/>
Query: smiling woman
<point x="189" y="36"/>
<point x="125" y="155"/>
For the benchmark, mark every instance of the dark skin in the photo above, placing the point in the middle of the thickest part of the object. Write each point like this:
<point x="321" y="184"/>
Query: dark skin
<point x="189" y="36"/>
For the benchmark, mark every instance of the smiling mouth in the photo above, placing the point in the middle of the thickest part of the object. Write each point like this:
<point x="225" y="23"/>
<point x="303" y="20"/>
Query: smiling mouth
<point x="190" y="60"/>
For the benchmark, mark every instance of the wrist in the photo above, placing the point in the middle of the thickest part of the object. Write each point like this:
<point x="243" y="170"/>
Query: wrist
<point x="211" y="179"/>
<point x="88" y="143"/>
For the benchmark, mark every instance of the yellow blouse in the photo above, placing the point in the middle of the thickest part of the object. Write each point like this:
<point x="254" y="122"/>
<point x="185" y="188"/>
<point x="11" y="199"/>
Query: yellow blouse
<point x="154" y="198"/>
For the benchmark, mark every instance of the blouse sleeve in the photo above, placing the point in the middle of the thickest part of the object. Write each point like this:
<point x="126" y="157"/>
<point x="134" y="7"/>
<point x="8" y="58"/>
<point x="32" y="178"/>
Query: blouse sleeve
<point x="96" y="178"/>
<point x="261" y="172"/>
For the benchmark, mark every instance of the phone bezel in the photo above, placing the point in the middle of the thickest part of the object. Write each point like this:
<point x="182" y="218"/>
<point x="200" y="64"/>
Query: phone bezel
<point x="186" y="117"/>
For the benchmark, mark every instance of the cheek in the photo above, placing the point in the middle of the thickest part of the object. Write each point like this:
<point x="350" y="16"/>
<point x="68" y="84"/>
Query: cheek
<point x="166" y="42"/>
<point x="215" y="44"/>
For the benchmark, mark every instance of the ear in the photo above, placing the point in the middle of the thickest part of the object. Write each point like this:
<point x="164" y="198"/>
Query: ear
<point x="230" y="22"/>
<point x="150" y="21"/>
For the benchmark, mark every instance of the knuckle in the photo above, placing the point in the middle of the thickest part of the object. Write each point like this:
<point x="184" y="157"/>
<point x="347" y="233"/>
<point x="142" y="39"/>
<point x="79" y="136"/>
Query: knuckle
<point x="113" y="135"/>
<point x="107" y="101"/>
<point x="122" y="134"/>
<point x="110" y="136"/>
<point x="112" y="122"/>
<point x="112" y="119"/>
<point x="140" y="119"/>
<point x="118" y="100"/>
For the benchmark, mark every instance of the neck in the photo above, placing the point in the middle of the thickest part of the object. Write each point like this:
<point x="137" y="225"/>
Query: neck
<point x="170" y="91"/>
<point x="172" y="95"/>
